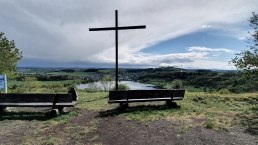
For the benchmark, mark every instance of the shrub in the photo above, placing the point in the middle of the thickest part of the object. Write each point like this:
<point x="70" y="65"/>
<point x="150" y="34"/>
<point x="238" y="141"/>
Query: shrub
<point x="200" y="99"/>
<point x="176" y="84"/>
<point x="93" y="87"/>
<point x="31" y="84"/>
<point x="106" y="82"/>
<point x="122" y="87"/>
<point x="209" y="125"/>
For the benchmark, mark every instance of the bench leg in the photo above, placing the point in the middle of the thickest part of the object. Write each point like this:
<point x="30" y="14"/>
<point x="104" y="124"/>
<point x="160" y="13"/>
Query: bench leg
<point x="3" y="109"/>
<point x="171" y="104"/>
<point x="62" y="109"/>
<point x="57" y="110"/>
<point x="54" y="112"/>
<point x="123" y="105"/>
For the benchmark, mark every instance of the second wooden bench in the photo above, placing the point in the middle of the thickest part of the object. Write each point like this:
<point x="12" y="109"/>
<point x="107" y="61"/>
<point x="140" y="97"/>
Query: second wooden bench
<point x="125" y="97"/>
<point x="56" y="101"/>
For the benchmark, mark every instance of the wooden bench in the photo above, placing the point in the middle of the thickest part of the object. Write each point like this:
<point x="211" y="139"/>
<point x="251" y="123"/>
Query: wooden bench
<point x="56" y="101"/>
<point x="125" y="97"/>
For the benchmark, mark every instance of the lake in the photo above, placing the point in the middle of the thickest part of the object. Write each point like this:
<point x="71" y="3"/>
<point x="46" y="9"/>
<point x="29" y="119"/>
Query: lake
<point x="131" y="84"/>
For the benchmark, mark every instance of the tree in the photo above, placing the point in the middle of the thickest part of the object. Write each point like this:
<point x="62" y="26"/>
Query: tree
<point x="106" y="82"/>
<point x="9" y="55"/>
<point x="247" y="60"/>
<point x="176" y="84"/>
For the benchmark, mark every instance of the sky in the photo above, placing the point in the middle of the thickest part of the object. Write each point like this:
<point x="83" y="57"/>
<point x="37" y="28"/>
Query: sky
<point x="190" y="34"/>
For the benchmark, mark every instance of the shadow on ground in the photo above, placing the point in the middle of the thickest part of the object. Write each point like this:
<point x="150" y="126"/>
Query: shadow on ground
<point x="24" y="115"/>
<point x="117" y="111"/>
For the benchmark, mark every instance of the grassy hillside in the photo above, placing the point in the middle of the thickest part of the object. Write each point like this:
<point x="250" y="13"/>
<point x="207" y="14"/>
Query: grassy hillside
<point x="219" y="108"/>
<point x="210" y="110"/>
<point x="214" y="111"/>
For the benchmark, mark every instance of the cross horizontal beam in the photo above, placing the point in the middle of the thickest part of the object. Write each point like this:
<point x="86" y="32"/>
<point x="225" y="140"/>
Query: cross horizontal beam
<point x="118" y="28"/>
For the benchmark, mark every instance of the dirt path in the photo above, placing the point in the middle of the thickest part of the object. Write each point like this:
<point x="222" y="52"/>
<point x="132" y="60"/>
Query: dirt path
<point x="90" y="128"/>
<point x="118" y="131"/>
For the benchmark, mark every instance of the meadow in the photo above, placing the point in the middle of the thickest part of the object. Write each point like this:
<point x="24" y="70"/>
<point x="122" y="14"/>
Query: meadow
<point x="217" y="110"/>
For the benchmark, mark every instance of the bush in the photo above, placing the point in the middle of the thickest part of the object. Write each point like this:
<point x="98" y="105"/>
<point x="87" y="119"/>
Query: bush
<point x="92" y="87"/>
<point x="176" y="84"/>
<point x="31" y="84"/>
<point x="122" y="87"/>
<point x="106" y="82"/>
<point x="209" y="125"/>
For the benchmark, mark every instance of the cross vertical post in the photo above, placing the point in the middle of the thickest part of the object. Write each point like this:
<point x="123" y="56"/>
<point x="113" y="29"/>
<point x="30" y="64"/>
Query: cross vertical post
<point x="116" y="28"/>
<point x="116" y="17"/>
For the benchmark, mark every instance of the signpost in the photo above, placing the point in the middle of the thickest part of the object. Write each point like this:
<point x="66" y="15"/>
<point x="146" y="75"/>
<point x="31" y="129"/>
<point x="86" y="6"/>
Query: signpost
<point x="116" y="28"/>
<point x="3" y="83"/>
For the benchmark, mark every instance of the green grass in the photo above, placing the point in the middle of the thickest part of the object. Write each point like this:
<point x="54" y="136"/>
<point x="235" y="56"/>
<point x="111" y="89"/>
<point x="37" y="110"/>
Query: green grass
<point x="63" y="118"/>
<point x="216" y="111"/>
<point x="219" y="110"/>
<point x="94" y="101"/>
<point x="40" y="86"/>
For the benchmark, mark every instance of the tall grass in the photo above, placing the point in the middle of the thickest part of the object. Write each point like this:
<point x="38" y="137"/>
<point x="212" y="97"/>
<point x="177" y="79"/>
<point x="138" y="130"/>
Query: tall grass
<point x="34" y="86"/>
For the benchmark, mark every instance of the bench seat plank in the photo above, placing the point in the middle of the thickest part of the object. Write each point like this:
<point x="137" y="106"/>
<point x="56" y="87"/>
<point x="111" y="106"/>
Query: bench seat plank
<point x="145" y="95"/>
<point x="139" y="100"/>
<point x="34" y="98"/>
<point x="38" y="104"/>
<point x="178" y="98"/>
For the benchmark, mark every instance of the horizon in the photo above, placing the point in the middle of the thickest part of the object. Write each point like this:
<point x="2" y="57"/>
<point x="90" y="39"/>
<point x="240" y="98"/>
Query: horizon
<point x="75" y="68"/>
<point x="184" y="34"/>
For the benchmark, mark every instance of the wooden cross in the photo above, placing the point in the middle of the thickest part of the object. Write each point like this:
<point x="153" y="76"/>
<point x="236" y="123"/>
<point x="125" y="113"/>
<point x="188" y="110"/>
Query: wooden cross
<point x="116" y="28"/>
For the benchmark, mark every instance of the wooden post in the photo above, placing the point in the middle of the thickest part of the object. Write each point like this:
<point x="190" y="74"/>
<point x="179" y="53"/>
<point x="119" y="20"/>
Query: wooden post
<point x="116" y="28"/>
<point x="116" y="17"/>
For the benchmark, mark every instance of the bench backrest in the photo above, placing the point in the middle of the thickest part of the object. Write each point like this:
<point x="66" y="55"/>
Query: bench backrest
<point x="117" y="95"/>
<point x="145" y="94"/>
<point x="35" y="98"/>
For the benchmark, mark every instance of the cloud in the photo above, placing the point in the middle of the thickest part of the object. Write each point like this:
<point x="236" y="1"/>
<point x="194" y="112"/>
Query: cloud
<point x="195" y="57"/>
<point x="206" y="26"/>
<point x="56" y="32"/>
<point x="203" y="64"/>
<point x="205" y="49"/>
